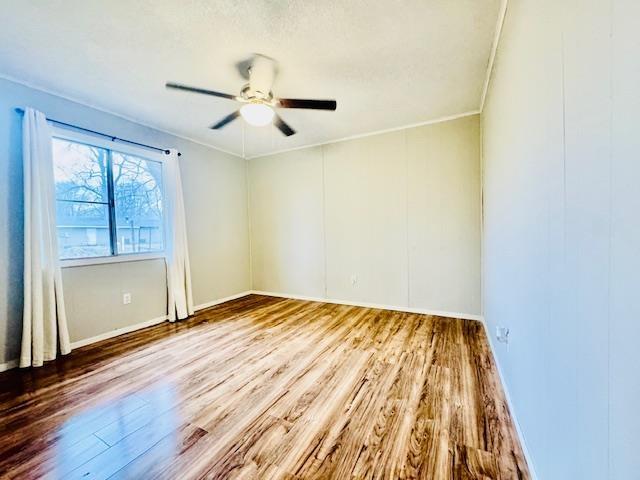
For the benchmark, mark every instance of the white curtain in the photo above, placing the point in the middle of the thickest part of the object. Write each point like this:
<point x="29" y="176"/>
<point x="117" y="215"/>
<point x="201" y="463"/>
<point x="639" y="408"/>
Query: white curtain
<point x="179" y="297"/>
<point x="44" y="320"/>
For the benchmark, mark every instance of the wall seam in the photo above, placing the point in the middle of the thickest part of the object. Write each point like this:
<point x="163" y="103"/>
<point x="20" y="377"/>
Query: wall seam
<point x="566" y="305"/>
<point x="610" y="245"/>
<point x="249" y="230"/>
<point x="324" y="224"/>
<point x="406" y="188"/>
<point x="481" y="141"/>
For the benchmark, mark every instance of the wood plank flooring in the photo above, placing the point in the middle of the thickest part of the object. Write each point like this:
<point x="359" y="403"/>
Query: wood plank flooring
<point x="262" y="388"/>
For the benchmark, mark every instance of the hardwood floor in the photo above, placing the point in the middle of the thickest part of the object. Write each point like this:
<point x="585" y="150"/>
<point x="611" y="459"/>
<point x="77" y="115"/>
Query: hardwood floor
<point x="264" y="388"/>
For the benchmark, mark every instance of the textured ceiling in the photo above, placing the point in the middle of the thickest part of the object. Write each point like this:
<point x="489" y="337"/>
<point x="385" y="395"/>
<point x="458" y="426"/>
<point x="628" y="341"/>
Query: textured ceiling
<point x="388" y="63"/>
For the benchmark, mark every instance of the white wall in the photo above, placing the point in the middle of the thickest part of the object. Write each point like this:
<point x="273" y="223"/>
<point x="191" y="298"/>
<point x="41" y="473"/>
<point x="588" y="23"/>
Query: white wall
<point x="444" y="213"/>
<point x="215" y="202"/>
<point x="399" y="211"/>
<point x="366" y="219"/>
<point x="561" y="246"/>
<point x="287" y="233"/>
<point x="93" y="296"/>
<point x="215" y="191"/>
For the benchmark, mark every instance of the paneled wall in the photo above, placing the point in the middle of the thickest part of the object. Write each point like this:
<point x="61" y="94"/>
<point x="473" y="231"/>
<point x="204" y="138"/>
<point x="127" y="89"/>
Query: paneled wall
<point x="561" y="143"/>
<point x="390" y="219"/>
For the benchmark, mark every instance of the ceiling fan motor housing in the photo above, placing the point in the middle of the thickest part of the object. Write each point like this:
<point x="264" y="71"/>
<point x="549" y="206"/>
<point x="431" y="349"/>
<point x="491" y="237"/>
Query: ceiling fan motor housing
<point x="256" y="96"/>
<point x="262" y="74"/>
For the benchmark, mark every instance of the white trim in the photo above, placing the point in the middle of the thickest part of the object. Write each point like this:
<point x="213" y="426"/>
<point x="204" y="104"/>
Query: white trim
<point x="212" y="303"/>
<point x="370" y="134"/>
<point x="119" y="331"/>
<point x="110" y="112"/>
<point x="512" y="411"/>
<point x="130" y="328"/>
<point x="155" y="321"/>
<point x="8" y="365"/>
<point x="425" y="311"/>
<point x="99" y="338"/>
<point x="123" y="257"/>
<point x="494" y="49"/>
<point x="149" y="323"/>
<point x="134" y="150"/>
<point x="208" y="145"/>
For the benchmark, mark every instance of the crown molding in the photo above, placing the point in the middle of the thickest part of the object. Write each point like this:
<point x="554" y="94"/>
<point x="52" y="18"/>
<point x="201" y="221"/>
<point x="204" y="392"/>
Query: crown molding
<point x="238" y="155"/>
<point x="371" y="134"/>
<point x="110" y="112"/>
<point x="494" y="49"/>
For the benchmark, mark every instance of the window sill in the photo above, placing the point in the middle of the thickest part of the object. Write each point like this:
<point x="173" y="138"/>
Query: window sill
<point x="131" y="257"/>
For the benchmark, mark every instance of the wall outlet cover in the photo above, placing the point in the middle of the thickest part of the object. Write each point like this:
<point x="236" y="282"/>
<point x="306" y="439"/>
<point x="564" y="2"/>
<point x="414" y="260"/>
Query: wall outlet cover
<point x="502" y="334"/>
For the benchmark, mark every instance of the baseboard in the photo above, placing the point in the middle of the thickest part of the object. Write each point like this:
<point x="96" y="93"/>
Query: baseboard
<point x="8" y="365"/>
<point x="130" y="328"/>
<point x="155" y="321"/>
<point x="439" y="313"/>
<point x="118" y="331"/>
<point x="149" y="323"/>
<point x="212" y="303"/>
<point x="512" y="411"/>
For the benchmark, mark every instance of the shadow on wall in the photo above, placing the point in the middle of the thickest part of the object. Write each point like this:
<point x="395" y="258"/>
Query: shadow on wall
<point x="12" y="304"/>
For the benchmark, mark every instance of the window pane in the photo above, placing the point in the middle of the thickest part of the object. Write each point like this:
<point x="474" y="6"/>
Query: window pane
<point x="138" y="199"/>
<point x="80" y="171"/>
<point x="83" y="229"/>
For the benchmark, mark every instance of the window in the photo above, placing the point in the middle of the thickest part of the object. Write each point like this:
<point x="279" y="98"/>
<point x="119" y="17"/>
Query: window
<point x="108" y="202"/>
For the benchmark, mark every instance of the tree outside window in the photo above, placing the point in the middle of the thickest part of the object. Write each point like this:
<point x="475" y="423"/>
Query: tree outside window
<point x="107" y="202"/>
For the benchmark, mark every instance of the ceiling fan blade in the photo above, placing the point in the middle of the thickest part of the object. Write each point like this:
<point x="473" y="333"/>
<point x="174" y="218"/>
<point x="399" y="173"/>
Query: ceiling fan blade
<point x="283" y="126"/>
<point x="186" y="88"/>
<point x="310" y="104"/>
<point x="228" y="119"/>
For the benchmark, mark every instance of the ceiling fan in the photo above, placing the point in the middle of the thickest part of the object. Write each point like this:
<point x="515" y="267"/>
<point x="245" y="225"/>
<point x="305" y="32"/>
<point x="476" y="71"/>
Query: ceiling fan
<point x="257" y="96"/>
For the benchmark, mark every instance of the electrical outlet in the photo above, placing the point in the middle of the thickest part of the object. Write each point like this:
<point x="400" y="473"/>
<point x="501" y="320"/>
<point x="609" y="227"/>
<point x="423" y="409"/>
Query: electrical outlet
<point x="354" y="280"/>
<point x="502" y="334"/>
<point x="126" y="298"/>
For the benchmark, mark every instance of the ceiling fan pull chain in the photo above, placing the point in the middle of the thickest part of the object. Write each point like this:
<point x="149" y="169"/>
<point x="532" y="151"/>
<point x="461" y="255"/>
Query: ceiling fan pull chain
<point x="243" y="154"/>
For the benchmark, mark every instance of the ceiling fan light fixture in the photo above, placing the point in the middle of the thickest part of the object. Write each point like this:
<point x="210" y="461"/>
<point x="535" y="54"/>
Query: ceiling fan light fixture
<point x="257" y="98"/>
<point x="257" y="114"/>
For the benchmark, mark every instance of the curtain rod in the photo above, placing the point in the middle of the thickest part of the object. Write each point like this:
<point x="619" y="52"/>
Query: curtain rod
<point x="112" y="137"/>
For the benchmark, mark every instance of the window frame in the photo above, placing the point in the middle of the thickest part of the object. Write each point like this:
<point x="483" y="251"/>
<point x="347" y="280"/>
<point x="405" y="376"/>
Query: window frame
<point x="111" y="146"/>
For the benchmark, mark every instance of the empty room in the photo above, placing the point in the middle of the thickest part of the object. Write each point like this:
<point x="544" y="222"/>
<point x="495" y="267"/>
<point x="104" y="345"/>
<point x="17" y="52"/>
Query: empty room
<point x="285" y="239"/>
